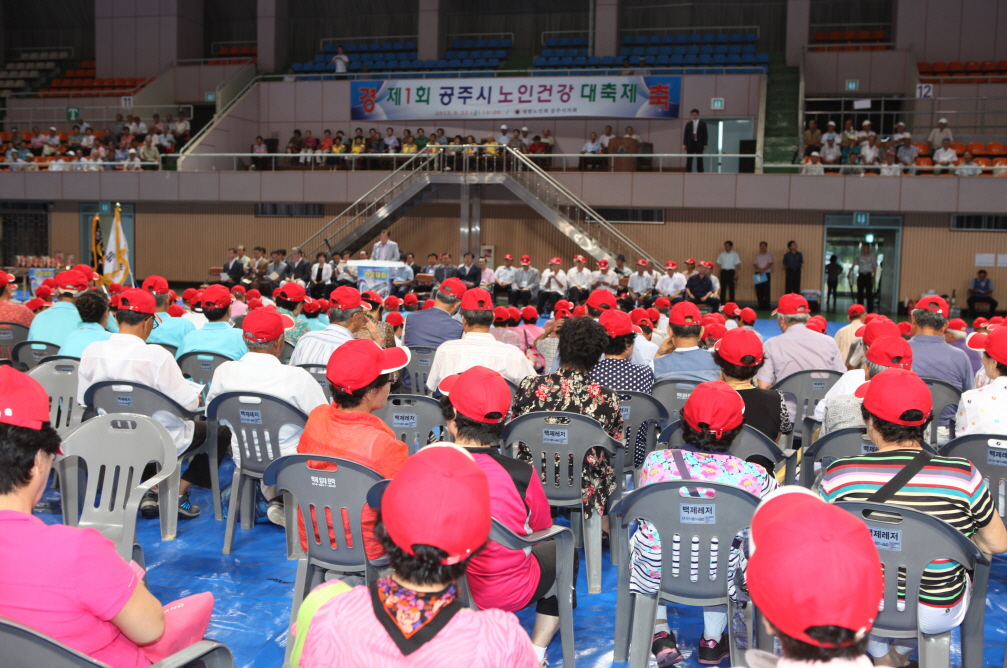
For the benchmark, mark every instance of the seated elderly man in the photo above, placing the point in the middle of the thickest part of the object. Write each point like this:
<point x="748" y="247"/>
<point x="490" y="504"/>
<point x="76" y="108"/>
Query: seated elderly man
<point x="700" y="289"/>
<point x="680" y="355"/>
<point x="171" y="330"/>
<point x="981" y="292"/>
<point x="981" y="410"/>
<point x="945" y="158"/>
<point x="217" y="335"/>
<point x="968" y="167"/>
<point x="54" y="324"/>
<point x="797" y="348"/>
<point x="259" y="370"/>
<point x="814" y="165"/>
<point x="906" y="153"/>
<point x="346" y="318"/>
<point x="940" y="134"/>
<point x="832" y="152"/>
<point x="866" y="333"/>
<point x="433" y="326"/>
<point x="935" y="358"/>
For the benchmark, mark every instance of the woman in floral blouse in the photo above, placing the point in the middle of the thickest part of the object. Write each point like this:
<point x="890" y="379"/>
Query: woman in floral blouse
<point x="581" y="344"/>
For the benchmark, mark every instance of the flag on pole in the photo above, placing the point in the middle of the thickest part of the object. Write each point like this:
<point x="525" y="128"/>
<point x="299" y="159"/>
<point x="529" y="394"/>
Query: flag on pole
<point x="117" y="254"/>
<point x="97" y="246"/>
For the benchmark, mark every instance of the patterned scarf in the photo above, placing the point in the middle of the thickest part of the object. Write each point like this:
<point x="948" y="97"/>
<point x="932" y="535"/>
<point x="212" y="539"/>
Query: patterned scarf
<point x="412" y="618"/>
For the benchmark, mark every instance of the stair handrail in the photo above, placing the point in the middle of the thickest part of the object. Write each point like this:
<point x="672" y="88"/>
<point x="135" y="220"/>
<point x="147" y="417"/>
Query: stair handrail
<point x="413" y="169"/>
<point x="597" y="219"/>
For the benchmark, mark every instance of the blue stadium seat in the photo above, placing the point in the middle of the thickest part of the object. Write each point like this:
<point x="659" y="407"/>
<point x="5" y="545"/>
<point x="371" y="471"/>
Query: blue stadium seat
<point x="678" y="51"/>
<point x="641" y="39"/>
<point x="682" y="38"/>
<point x="663" y="59"/>
<point x="386" y="46"/>
<point x="607" y="61"/>
<point x="668" y="39"/>
<point x="650" y="60"/>
<point x="330" y="48"/>
<point x="720" y="59"/>
<point x="451" y="54"/>
<point x="561" y="52"/>
<point x="552" y="41"/>
<point x="553" y="62"/>
<point x="652" y="50"/>
<point x="455" y="64"/>
<point x="691" y="59"/>
<point x="692" y="50"/>
<point x="410" y="46"/>
<point x="678" y="59"/>
<point x="468" y="64"/>
<point x="709" y="38"/>
<point x="720" y="48"/>
<point x="481" y="64"/>
<point x="705" y="59"/>
<point x="627" y="39"/>
<point x="707" y="49"/>
<point x="507" y="43"/>
<point x="456" y="44"/>
<point x="297" y="67"/>
<point x="639" y="50"/>
<point x="378" y="65"/>
<point x="594" y="61"/>
<point x="481" y="43"/>
<point x="442" y="64"/>
<point x="547" y="53"/>
<point x="349" y="48"/>
<point x="493" y="44"/>
<point x="420" y="64"/>
<point x="748" y="58"/>
<point x="577" y="41"/>
<point x="751" y="37"/>
<point x="695" y="38"/>
<point x="469" y="44"/>
<point x="734" y="48"/>
<point x="734" y="59"/>
<point x="723" y="38"/>
<point x="762" y="58"/>
<point x="737" y="37"/>
<point x="625" y="51"/>
<point x="323" y="67"/>
<point x="748" y="48"/>
<point x="493" y="62"/>
<point x="654" y="39"/>
<point x="564" y="41"/>
<point x="500" y="53"/>
<point x="398" y="46"/>
<point x="664" y="51"/>
<point x="566" y="61"/>
<point x="354" y="67"/>
<point x="580" y="61"/>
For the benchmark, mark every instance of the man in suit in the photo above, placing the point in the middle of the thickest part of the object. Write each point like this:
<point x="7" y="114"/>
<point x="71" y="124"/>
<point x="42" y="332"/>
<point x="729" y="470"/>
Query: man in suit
<point x="300" y="268"/>
<point x="277" y="267"/>
<point x="694" y="140"/>
<point x="469" y="272"/>
<point x="385" y="250"/>
<point x="233" y="269"/>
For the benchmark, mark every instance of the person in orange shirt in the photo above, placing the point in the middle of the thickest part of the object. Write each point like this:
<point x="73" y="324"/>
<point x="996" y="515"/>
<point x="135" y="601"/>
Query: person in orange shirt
<point x="360" y="374"/>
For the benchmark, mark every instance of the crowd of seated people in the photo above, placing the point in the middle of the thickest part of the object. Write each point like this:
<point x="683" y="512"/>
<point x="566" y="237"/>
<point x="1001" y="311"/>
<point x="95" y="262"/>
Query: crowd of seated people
<point x="606" y="330"/>
<point x="126" y="144"/>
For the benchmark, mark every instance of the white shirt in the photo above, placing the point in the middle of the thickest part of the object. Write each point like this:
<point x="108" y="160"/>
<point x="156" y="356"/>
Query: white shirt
<point x="128" y="358"/>
<point x="579" y="278"/>
<point x="728" y="259"/>
<point x="945" y="155"/>
<point x="608" y="280"/>
<point x="340" y="60"/>
<point x="180" y="127"/>
<point x="479" y="349"/>
<point x="553" y="281"/>
<point x="846" y="385"/>
<point x="604" y="140"/>
<point x="982" y="411"/>
<point x="644" y="351"/>
<point x="811" y="169"/>
<point x="669" y="286"/>
<point x="317" y="347"/>
<point x="862" y="136"/>
<point x="198" y="319"/>
<point x="640" y="283"/>
<point x="263" y="374"/>
<point x="326" y="271"/>
<point x="891" y="170"/>
<point x="831" y="153"/>
<point x="869" y="154"/>
<point x="505" y="274"/>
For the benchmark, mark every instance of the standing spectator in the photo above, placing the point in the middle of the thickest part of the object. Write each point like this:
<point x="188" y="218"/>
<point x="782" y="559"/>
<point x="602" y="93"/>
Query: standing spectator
<point x="579" y="280"/>
<point x="939" y="135"/>
<point x="694" y="140"/>
<point x="797" y="348"/>
<point x="981" y="292"/>
<point x="728" y="261"/>
<point x="866" y="265"/>
<point x="552" y="285"/>
<point x="833" y="270"/>
<point x="340" y="60"/>
<point x="384" y="248"/>
<point x="321" y="276"/>
<point x="793" y="260"/>
<point x="945" y="158"/>
<point x="812" y="138"/>
<point x="763" y="266"/>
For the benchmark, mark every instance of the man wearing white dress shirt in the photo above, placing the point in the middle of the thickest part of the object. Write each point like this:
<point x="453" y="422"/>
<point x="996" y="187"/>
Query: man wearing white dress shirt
<point x="552" y="286"/>
<point x="505" y="275"/>
<point x="945" y="158"/>
<point x="127" y="357"/>
<point x="346" y="318"/>
<point x="604" y="278"/>
<point x="525" y="284"/>
<point x="478" y="347"/>
<point x="865" y="133"/>
<point x="641" y="285"/>
<point x="385" y="250"/>
<point x="728" y="261"/>
<point x="603" y="140"/>
<point x="672" y="284"/>
<point x="579" y="279"/>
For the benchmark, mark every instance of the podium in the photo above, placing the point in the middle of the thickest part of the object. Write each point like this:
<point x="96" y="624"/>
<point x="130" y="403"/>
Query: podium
<point x="623" y="146"/>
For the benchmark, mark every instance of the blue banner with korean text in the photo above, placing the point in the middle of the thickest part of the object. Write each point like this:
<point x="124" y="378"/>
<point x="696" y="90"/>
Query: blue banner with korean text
<point x="502" y="98"/>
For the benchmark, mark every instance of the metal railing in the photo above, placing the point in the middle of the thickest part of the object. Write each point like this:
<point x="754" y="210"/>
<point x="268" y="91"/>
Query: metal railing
<point x="364" y="40"/>
<point x="988" y="115"/>
<point x="215" y="46"/>
<point x="546" y="34"/>
<point x="692" y="30"/>
<point x="89" y="166"/>
<point x="479" y="35"/>
<point x="875" y="169"/>
<point x="232" y="60"/>
<point x="386" y="190"/>
<point x="93" y="114"/>
<point x="833" y="47"/>
<point x="492" y="74"/>
<point x="228" y="90"/>
<point x="222" y="108"/>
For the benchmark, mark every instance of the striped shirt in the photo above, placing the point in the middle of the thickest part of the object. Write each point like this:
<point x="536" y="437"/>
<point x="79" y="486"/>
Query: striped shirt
<point x="948" y="488"/>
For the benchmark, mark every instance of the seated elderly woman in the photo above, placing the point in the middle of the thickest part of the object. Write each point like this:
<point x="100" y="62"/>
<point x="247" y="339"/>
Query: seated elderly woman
<point x="581" y="344"/>
<point x="897" y="409"/>
<point x="65" y="582"/>
<point x="435" y="515"/>
<point x="711" y="419"/>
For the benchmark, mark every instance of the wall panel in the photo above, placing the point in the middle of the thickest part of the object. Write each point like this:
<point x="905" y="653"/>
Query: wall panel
<point x="64" y="229"/>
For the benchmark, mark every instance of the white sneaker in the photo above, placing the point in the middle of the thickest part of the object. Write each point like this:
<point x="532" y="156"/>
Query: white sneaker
<point x="274" y="511"/>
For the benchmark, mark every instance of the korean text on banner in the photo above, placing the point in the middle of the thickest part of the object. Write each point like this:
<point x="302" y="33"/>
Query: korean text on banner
<point x="502" y="98"/>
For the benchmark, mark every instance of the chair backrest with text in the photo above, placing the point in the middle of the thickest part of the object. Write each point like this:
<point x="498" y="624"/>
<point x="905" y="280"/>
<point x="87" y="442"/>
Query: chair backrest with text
<point x="59" y="378"/>
<point x="200" y="365"/>
<point x="806" y="388"/>
<point x="29" y="354"/>
<point x="255" y="421"/>
<point x="988" y="453"/>
<point x="673" y="393"/>
<point x="412" y="417"/>
<point x="11" y="334"/>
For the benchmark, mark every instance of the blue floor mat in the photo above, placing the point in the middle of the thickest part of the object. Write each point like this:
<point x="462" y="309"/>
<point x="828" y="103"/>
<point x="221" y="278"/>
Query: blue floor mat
<point x="254" y="584"/>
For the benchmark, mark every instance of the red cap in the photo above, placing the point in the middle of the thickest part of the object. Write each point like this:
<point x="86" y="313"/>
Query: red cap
<point x="580" y="258"/>
<point x="871" y="316"/>
<point x="997" y="320"/>
<point x="391" y="301"/>
<point x="476" y="299"/>
<point x="817" y="323"/>
<point x="685" y="313"/>
<point x="561" y="314"/>
<point x="514" y="312"/>
<point x="935" y="304"/>
<point x="502" y="314"/>
<point x="395" y="319"/>
<point x="637" y="315"/>
<point x="87" y="271"/>
<point x="114" y="300"/>
<point x="714" y="332"/>
<point x="238" y="290"/>
<point x="905" y="328"/>
<point x="157" y="285"/>
<point x="653" y="314"/>
<point x="580" y="311"/>
<point x="23" y="401"/>
<point x="43" y="292"/>
<point x="311" y="305"/>
<point x="877" y="328"/>
<point x="716" y="405"/>
<point x="893" y="392"/>
<point x="216" y="296"/>
<point x="690" y="261"/>
<point x="601" y="300"/>
<point x="188" y="294"/>
<point x="792" y="304"/>
<point x="562" y="305"/>
<point x="891" y="351"/>
<point x="855" y="310"/>
<point x="137" y="300"/>
<point x="323" y="304"/>
<point x="994" y="343"/>
<point x="706" y="263"/>
<point x="662" y="302"/>
<point x="410" y="299"/>
<point x="737" y="343"/>
<point x="452" y="513"/>
<point x="6" y="279"/>
<point x="616" y="322"/>
<point x="427" y="303"/>
<point x="35" y="304"/>
<point x="482" y="394"/>
<point x="957" y="325"/>
<point x="508" y="256"/>
<point x="71" y="281"/>
<point x="453" y="287"/>
<point x="346" y="298"/>
<point x="116" y="288"/>
<point x="730" y="309"/>
<point x="356" y="363"/>
<point x="671" y="264"/>
<point x="978" y="323"/>
<point x="176" y="311"/>
<point x="748" y="316"/>
<point x="50" y="282"/>
<point x="641" y="262"/>
<point x="253" y="294"/>
<point x="556" y="260"/>
<point x="253" y="304"/>
<point x="603" y="264"/>
<point x="292" y="292"/>
<point x="526" y="259"/>
<point x="529" y="313"/>
<point x="262" y="324"/>
<point x="844" y="584"/>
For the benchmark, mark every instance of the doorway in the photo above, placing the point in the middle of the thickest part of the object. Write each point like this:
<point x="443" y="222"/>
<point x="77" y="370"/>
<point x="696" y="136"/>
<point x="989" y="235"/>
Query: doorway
<point x="725" y="136"/>
<point x="844" y="236"/>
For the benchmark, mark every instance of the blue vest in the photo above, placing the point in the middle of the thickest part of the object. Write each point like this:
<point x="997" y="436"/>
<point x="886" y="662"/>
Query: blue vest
<point x="54" y="324"/>
<point x="215" y="337"/>
<point x="431" y="328"/>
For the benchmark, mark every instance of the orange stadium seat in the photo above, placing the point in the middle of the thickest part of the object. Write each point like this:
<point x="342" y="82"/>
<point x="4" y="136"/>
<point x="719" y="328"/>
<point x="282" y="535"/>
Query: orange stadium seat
<point x="958" y="147"/>
<point x="986" y="165"/>
<point x="995" y="148"/>
<point x="956" y="68"/>
<point x="835" y="35"/>
<point x="925" y="166"/>
<point x="5" y="136"/>
<point x="849" y="35"/>
<point x="879" y="35"/>
<point x="922" y="148"/>
<point x="821" y="36"/>
<point x="863" y="35"/>
<point x="1000" y="162"/>
<point x="977" y="148"/>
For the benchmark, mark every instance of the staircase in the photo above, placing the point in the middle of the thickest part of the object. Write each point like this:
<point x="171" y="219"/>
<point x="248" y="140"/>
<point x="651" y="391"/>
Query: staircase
<point x="782" y="104"/>
<point x="424" y="173"/>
